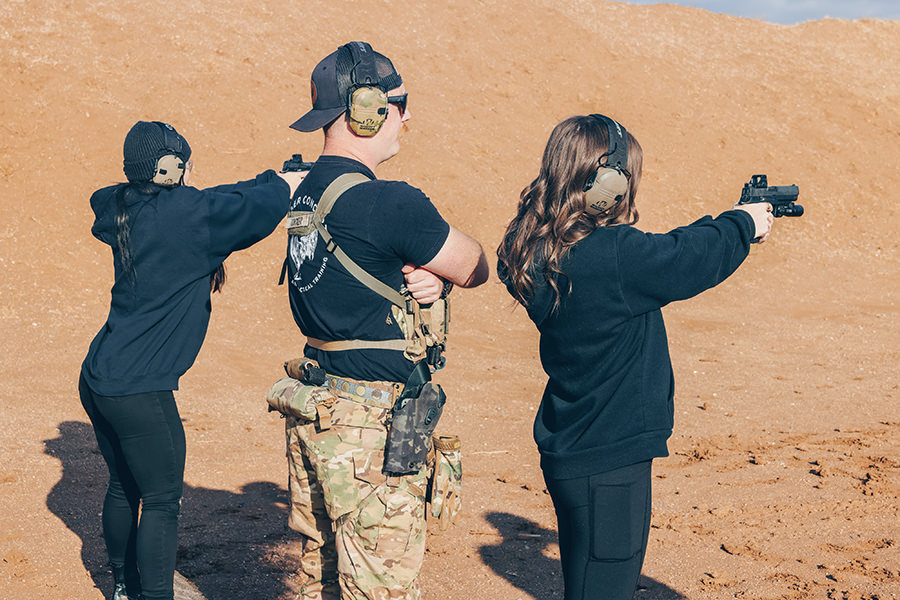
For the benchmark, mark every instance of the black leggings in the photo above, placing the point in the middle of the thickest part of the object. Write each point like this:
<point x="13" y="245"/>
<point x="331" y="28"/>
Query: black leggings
<point x="603" y="522"/>
<point x="142" y="440"/>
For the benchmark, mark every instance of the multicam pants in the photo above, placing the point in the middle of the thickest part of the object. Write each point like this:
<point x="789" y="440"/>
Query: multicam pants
<point x="364" y="534"/>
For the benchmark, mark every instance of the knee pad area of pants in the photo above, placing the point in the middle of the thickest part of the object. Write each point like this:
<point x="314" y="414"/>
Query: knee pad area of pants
<point x="167" y="503"/>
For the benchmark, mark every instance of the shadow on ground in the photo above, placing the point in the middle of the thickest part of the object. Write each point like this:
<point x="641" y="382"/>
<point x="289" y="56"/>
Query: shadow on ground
<point x="521" y="558"/>
<point x="230" y="545"/>
<point x="236" y="545"/>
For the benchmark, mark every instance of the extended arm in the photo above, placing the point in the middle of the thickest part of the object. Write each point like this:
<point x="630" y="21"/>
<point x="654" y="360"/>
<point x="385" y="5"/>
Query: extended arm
<point x="244" y="213"/>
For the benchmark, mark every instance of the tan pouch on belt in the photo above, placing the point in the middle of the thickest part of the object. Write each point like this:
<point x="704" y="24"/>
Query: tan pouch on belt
<point x="446" y="480"/>
<point x="298" y="399"/>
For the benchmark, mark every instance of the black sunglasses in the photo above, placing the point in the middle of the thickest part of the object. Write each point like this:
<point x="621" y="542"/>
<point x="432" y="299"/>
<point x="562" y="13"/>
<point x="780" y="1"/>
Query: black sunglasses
<point x="400" y="101"/>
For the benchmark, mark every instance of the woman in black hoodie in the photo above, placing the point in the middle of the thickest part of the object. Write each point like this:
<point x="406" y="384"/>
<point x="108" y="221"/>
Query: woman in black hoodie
<point x="169" y="242"/>
<point x="594" y="286"/>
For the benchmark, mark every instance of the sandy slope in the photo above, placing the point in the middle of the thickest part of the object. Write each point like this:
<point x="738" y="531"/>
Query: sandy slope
<point x="783" y="481"/>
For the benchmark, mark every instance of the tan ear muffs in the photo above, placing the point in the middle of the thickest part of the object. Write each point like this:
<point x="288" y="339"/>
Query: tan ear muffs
<point x="605" y="189"/>
<point x="169" y="169"/>
<point x="609" y="183"/>
<point x="368" y="110"/>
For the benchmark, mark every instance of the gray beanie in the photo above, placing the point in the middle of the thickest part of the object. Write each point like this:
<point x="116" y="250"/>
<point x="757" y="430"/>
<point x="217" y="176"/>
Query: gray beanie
<point x="146" y="143"/>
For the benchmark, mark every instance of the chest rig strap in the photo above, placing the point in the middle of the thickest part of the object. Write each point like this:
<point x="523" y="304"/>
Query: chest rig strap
<point x="303" y="222"/>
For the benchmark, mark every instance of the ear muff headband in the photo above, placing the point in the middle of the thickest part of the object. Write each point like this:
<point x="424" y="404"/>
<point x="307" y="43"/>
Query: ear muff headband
<point x="170" y="164"/>
<point x="367" y="102"/>
<point x="609" y="184"/>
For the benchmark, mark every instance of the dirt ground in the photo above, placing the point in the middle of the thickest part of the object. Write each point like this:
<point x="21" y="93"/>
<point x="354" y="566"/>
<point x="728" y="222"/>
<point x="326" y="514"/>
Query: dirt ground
<point x="784" y="473"/>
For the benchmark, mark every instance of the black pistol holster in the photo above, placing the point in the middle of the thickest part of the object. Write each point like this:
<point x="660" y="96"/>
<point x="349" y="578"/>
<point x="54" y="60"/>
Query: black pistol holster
<point x="413" y="419"/>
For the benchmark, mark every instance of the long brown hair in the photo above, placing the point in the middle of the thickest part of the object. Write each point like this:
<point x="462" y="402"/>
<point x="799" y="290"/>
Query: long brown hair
<point x="551" y="218"/>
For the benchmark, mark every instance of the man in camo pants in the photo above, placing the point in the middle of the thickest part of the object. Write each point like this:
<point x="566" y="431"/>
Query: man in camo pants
<point x="364" y="532"/>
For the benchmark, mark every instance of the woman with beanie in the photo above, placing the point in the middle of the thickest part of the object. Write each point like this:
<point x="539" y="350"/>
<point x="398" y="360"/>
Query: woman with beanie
<point x="169" y="242"/>
<point x="594" y="286"/>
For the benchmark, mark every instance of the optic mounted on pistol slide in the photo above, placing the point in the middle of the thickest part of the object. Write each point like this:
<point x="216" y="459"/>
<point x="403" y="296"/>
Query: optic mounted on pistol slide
<point x="296" y="163"/>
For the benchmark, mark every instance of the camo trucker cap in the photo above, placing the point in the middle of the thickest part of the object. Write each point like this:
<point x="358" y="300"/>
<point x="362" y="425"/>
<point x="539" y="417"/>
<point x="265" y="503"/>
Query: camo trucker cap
<point x="337" y="75"/>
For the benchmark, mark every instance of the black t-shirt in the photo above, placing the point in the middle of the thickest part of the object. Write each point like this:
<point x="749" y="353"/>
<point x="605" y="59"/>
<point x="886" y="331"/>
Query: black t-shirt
<point x="381" y="225"/>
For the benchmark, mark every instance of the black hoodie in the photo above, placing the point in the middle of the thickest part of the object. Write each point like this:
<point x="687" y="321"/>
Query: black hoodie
<point x="609" y="400"/>
<point x="179" y="237"/>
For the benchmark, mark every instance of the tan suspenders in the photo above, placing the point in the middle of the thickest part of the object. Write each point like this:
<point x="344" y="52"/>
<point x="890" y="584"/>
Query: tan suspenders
<point x="424" y="333"/>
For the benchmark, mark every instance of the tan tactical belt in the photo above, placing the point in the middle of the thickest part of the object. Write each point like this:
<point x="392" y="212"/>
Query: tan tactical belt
<point x="340" y="345"/>
<point x="383" y="393"/>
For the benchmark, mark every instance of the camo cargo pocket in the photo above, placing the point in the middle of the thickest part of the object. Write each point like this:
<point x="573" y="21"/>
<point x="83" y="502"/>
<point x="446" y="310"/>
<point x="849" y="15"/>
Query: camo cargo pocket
<point x="369" y="456"/>
<point x="446" y="480"/>
<point x="391" y="519"/>
<point x="297" y="399"/>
